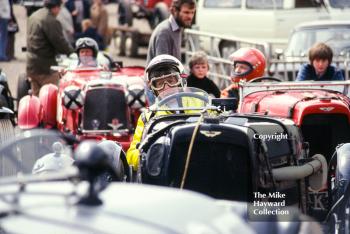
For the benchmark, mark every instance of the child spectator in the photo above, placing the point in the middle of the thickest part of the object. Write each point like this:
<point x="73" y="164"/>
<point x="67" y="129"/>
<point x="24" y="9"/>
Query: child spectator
<point x="320" y="68"/>
<point x="199" y="68"/>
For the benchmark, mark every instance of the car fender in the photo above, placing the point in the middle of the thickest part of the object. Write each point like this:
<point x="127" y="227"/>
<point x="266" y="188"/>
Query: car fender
<point x="343" y="162"/>
<point x="29" y="112"/>
<point x="48" y="99"/>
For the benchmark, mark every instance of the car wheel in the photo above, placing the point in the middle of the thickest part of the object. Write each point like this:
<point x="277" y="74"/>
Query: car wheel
<point x="23" y="86"/>
<point x="7" y="130"/>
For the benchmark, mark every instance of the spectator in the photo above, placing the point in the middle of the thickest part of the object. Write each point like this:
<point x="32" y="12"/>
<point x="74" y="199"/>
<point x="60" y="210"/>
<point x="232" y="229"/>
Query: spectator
<point x="12" y="29"/>
<point x="80" y="10"/>
<point x="320" y="68"/>
<point x="5" y="15"/>
<point x="99" y="18"/>
<point x="167" y="36"/>
<point x="198" y="78"/>
<point x="91" y="32"/>
<point x="45" y="40"/>
<point x="66" y="21"/>
<point x="248" y="63"/>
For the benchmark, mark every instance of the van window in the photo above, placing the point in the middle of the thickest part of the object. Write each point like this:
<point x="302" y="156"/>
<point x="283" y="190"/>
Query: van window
<point x="222" y="3"/>
<point x="265" y="4"/>
<point x="339" y="3"/>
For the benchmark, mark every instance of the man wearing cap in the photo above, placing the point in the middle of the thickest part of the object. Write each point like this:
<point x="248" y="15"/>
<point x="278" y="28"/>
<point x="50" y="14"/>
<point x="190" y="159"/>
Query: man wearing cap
<point x="45" y="40"/>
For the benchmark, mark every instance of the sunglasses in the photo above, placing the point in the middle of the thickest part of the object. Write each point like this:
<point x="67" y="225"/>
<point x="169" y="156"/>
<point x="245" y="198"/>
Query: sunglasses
<point x="172" y="80"/>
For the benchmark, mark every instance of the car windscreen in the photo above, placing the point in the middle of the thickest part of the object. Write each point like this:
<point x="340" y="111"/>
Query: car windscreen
<point x="339" y="3"/>
<point x="337" y="37"/>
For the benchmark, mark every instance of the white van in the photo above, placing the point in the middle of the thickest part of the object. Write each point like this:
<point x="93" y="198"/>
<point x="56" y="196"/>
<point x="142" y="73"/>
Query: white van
<point x="265" y="19"/>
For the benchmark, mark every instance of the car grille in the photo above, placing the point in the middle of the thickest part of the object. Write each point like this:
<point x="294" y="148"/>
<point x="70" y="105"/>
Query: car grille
<point x="104" y="108"/>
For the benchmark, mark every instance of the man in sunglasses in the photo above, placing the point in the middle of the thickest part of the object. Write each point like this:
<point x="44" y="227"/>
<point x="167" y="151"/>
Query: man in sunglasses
<point x="163" y="72"/>
<point x="45" y="40"/>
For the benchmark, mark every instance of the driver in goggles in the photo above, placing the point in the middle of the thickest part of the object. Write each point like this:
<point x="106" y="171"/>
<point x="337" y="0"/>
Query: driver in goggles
<point x="164" y="81"/>
<point x="163" y="72"/>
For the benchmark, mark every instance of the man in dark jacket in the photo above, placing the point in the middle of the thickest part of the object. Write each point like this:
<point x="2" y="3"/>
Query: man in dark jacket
<point x="45" y="40"/>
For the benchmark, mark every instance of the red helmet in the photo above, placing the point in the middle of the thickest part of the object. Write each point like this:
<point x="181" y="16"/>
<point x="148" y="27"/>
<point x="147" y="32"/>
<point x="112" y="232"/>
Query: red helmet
<point x="251" y="57"/>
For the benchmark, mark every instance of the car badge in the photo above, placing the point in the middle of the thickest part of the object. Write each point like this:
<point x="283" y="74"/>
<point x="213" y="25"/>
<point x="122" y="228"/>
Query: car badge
<point x="210" y="133"/>
<point x="327" y="109"/>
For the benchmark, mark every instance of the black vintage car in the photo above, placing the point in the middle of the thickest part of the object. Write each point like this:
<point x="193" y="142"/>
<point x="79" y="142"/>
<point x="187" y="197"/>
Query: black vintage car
<point x="240" y="157"/>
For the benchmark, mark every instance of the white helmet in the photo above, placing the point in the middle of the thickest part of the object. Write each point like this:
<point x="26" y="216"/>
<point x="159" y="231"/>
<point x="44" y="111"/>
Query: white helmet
<point x="163" y="65"/>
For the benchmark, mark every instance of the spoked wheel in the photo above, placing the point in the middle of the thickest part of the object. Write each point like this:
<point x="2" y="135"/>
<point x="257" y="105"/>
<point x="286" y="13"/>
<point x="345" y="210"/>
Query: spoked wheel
<point x="7" y="131"/>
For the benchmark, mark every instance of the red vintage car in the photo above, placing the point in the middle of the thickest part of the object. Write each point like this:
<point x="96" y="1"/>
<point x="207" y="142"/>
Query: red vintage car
<point x="89" y="103"/>
<point x="321" y="111"/>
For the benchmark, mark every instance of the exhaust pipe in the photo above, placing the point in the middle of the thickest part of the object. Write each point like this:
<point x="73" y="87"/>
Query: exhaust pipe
<point x="299" y="172"/>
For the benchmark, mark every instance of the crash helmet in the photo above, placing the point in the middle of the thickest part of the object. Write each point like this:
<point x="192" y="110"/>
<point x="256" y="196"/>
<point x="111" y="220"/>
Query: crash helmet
<point x="86" y="42"/>
<point x="165" y="69"/>
<point x="52" y="3"/>
<point x="251" y="57"/>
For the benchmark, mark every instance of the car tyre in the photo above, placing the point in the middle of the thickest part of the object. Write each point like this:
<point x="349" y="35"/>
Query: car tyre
<point x="23" y="86"/>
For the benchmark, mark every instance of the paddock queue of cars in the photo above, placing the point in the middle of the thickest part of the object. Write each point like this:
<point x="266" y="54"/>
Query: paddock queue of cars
<point x="277" y="165"/>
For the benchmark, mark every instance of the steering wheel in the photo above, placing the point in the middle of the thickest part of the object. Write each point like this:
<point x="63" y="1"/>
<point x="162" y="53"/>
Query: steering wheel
<point x="265" y="78"/>
<point x="177" y="97"/>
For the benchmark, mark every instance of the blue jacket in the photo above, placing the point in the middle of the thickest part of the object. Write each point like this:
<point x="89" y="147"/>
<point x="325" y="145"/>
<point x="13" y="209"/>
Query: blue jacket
<point x="307" y="72"/>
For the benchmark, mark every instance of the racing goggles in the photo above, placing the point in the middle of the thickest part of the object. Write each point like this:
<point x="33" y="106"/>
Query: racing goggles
<point x="172" y="80"/>
<point x="82" y="43"/>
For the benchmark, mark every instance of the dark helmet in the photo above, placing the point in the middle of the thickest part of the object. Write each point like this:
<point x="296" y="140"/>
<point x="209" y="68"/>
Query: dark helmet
<point x="163" y="65"/>
<point x="52" y="3"/>
<point x="91" y="158"/>
<point x="254" y="58"/>
<point x="86" y="42"/>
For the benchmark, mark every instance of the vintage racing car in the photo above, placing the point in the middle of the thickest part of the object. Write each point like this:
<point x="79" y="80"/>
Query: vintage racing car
<point x="90" y="102"/>
<point x="235" y="156"/>
<point x="321" y="111"/>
